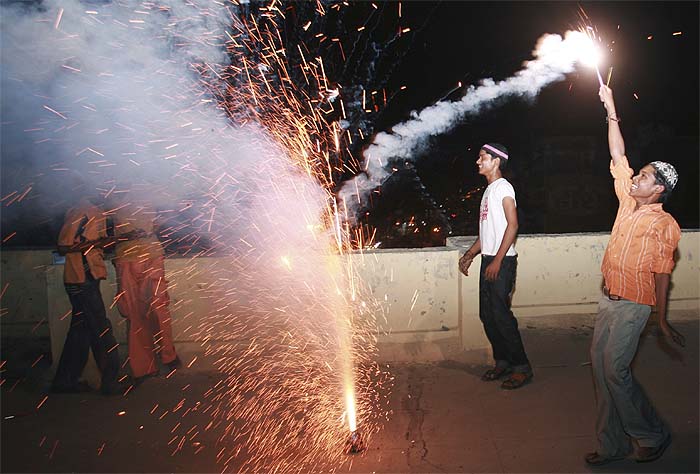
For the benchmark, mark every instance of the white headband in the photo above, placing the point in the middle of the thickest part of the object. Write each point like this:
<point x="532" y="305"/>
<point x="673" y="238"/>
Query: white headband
<point x="495" y="151"/>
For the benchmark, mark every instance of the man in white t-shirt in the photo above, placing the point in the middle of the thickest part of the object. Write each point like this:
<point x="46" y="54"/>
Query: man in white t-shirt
<point x="498" y="227"/>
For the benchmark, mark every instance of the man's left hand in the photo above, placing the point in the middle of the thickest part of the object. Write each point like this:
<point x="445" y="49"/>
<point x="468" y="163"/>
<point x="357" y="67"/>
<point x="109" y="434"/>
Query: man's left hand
<point x="491" y="271"/>
<point x="670" y="332"/>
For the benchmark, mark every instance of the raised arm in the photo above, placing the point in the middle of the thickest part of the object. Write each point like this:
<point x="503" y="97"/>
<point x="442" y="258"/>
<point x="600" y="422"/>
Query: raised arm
<point x="615" y="140"/>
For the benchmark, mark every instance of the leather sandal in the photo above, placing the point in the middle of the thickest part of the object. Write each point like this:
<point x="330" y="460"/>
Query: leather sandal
<point x="595" y="459"/>
<point x="648" y="454"/>
<point x="496" y="373"/>
<point x="516" y="380"/>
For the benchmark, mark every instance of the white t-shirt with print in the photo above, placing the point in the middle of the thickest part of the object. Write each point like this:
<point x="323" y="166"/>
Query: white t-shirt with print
<point x="492" y="217"/>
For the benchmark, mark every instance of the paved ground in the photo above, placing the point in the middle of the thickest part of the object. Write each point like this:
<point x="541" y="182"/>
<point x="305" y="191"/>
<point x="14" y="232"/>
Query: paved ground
<point x="444" y="418"/>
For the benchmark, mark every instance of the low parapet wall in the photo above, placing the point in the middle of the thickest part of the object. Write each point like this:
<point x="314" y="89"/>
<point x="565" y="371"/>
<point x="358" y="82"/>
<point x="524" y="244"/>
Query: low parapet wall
<point x="430" y="310"/>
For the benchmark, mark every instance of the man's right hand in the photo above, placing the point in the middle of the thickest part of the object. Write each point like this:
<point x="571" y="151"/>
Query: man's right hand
<point x="606" y="97"/>
<point x="464" y="263"/>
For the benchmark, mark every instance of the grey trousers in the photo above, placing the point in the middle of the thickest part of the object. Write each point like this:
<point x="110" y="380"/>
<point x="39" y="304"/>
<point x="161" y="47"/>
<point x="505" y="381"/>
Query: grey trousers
<point x="624" y="411"/>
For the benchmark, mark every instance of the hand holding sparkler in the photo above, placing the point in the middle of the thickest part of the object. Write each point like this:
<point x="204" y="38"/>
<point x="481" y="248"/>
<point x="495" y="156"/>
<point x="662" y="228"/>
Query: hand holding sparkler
<point x="606" y="97"/>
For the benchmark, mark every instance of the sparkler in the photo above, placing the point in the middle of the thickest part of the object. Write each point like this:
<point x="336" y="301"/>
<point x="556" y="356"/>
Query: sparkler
<point x="610" y="71"/>
<point x="600" y="79"/>
<point x="589" y="53"/>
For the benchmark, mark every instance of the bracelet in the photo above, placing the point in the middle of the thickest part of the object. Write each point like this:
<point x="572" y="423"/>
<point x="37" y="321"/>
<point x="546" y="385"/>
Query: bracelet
<point x="614" y="119"/>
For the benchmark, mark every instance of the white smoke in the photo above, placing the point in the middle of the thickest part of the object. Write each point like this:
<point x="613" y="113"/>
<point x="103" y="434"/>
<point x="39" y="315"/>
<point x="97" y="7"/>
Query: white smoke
<point x="111" y="91"/>
<point x="114" y="92"/>
<point x="554" y="58"/>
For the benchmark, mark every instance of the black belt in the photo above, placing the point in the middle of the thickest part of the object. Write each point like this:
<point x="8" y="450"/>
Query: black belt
<point x="606" y="292"/>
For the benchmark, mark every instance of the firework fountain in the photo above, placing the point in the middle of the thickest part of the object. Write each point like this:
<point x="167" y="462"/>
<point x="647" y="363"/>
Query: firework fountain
<point x="193" y="106"/>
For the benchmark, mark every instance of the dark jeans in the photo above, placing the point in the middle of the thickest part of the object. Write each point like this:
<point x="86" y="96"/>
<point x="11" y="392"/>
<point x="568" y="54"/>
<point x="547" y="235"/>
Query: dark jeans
<point x="499" y="322"/>
<point x="89" y="328"/>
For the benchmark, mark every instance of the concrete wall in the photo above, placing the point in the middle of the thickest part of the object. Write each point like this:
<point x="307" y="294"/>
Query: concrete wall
<point x="430" y="310"/>
<point x="560" y="275"/>
<point x="23" y="287"/>
<point x="418" y="289"/>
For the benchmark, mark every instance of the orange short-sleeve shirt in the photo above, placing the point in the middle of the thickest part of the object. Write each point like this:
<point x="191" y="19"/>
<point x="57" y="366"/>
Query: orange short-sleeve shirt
<point x="641" y="244"/>
<point x="84" y="222"/>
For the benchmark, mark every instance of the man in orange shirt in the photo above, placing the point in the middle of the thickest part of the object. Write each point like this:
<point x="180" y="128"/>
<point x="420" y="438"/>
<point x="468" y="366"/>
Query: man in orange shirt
<point x="637" y="270"/>
<point x="81" y="240"/>
<point x="143" y="290"/>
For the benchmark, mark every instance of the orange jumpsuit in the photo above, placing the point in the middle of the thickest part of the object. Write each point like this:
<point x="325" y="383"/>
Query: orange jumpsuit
<point x="143" y="291"/>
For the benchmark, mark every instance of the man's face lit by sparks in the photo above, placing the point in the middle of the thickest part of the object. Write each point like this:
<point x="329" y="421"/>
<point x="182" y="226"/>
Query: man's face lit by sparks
<point x="644" y="185"/>
<point x="486" y="163"/>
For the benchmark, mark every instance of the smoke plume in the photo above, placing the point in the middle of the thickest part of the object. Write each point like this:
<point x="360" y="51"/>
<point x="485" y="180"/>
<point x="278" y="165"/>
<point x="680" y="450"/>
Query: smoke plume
<point x="554" y="58"/>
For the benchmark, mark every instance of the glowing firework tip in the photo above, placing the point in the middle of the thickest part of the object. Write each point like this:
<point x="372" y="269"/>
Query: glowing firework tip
<point x="588" y="52"/>
<point x="355" y="443"/>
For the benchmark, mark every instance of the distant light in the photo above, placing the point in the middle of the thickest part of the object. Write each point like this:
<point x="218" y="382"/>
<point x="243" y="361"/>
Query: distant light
<point x="677" y="33"/>
<point x="650" y="37"/>
<point x="405" y="30"/>
<point x="121" y="413"/>
<point x="402" y="87"/>
<point x="636" y="96"/>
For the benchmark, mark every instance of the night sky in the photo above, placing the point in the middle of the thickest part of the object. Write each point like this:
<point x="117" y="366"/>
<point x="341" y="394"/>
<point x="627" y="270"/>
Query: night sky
<point x="557" y="142"/>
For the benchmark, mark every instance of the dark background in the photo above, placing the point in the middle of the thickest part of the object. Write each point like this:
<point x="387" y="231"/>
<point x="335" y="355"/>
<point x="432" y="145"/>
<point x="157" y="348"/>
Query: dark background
<point x="558" y="143"/>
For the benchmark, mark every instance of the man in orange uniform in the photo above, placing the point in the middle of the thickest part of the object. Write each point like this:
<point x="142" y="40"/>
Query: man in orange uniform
<point x="143" y="291"/>
<point x="637" y="270"/>
<point x="81" y="240"/>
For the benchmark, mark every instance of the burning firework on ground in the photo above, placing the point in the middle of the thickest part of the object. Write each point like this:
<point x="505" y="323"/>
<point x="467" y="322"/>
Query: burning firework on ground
<point x="201" y="119"/>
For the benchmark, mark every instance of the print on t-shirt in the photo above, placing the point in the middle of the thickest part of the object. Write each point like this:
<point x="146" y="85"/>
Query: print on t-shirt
<point x="484" y="212"/>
